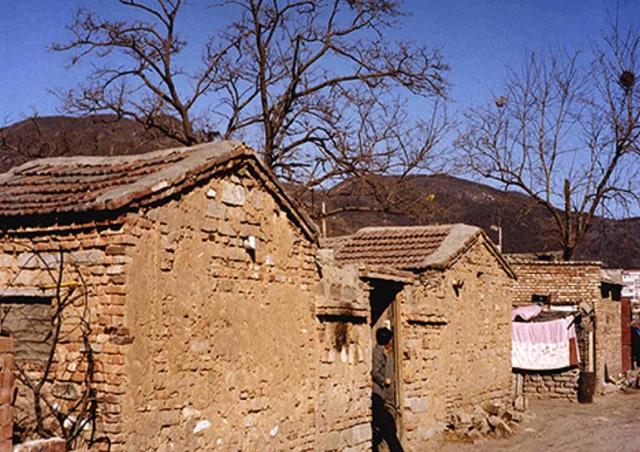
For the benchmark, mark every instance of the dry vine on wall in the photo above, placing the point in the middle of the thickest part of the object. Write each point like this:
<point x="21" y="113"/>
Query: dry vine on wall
<point x="55" y="367"/>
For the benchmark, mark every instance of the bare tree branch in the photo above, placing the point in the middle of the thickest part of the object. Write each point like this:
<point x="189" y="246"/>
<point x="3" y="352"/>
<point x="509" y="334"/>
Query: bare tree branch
<point x="565" y="135"/>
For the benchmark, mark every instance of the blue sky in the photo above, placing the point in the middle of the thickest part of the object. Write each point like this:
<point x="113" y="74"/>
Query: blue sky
<point x="480" y="39"/>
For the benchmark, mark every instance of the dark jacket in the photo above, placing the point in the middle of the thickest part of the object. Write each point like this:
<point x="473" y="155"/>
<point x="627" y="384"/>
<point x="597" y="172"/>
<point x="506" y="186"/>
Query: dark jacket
<point x="379" y="370"/>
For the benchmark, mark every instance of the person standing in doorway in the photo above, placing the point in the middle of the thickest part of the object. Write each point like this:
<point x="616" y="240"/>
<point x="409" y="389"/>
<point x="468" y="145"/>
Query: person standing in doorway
<point x="384" y="425"/>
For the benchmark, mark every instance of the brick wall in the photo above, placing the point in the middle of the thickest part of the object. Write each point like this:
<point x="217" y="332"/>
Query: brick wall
<point x="571" y="283"/>
<point x="457" y="347"/>
<point x="625" y="329"/>
<point x="7" y="384"/>
<point x="92" y="266"/>
<point x="566" y="282"/>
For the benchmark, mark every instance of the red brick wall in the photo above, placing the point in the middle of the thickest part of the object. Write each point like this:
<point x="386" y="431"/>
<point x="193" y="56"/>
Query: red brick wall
<point x="626" y="334"/>
<point x="42" y="445"/>
<point x="6" y="392"/>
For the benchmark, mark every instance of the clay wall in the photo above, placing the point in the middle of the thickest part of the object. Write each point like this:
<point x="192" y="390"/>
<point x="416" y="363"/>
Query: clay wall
<point x="457" y="345"/>
<point x="344" y="374"/>
<point x="608" y="337"/>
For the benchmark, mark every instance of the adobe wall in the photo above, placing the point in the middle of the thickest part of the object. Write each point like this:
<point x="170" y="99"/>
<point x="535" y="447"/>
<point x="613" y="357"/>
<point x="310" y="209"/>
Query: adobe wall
<point x="566" y="282"/>
<point x="344" y="375"/>
<point x="93" y="264"/>
<point x="608" y="340"/>
<point x="233" y="348"/>
<point x="457" y="347"/>
<point x="224" y="352"/>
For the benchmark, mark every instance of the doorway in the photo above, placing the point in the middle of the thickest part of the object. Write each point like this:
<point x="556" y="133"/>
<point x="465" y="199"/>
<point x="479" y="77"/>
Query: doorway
<point x="383" y="299"/>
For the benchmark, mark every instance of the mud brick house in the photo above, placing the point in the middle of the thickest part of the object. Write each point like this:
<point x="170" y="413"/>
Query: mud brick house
<point x="450" y="307"/>
<point x="197" y="313"/>
<point x="564" y="286"/>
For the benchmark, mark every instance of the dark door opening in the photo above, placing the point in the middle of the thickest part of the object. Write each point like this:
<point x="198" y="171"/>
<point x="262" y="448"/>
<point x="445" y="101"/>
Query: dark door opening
<point x="384" y="314"/>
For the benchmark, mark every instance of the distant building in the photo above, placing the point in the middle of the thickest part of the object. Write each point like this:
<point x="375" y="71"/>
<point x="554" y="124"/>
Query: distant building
<point x="631" y="284"/>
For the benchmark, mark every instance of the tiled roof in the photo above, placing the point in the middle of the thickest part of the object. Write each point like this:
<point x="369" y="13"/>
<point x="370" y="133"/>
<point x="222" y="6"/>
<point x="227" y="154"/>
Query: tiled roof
<point x="54" y="187"/>
<point x="407" y="248"/>
<point x="80" y="184"/>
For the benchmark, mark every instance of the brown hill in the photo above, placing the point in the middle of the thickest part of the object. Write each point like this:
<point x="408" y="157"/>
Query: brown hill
<point x="51" y="136"/>
<point x="526" y="227"/>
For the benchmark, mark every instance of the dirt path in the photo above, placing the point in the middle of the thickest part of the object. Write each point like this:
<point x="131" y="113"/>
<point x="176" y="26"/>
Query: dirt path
<point x="611" y="423"/>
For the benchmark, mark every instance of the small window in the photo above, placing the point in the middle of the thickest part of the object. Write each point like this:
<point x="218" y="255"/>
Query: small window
<point x="28" y="320"/>
<point x="540" y="299"/>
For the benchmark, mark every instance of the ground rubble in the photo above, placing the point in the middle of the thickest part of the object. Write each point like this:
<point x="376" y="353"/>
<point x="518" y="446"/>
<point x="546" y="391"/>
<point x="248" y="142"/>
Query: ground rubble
<point x="493" y="419"/>
<point x="627" y="380"/>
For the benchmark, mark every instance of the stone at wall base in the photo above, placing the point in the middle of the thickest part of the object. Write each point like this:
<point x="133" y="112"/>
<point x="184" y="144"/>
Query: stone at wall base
<point x="42" y="445"/>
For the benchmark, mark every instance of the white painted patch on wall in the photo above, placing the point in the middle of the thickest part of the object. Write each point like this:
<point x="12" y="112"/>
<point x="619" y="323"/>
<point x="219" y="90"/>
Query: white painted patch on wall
<point x="251" y="243"/>
<point x="201" y="426"/>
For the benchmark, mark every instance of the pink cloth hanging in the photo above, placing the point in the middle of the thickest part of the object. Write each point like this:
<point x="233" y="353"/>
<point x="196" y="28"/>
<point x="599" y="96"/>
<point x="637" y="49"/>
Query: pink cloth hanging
<point x="526" y="312"/>
<point x="543" y="345"/>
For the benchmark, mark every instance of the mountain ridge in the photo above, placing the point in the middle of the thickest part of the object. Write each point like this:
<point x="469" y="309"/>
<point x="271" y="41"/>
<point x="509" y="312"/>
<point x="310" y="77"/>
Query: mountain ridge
<point x="437" y="199"/>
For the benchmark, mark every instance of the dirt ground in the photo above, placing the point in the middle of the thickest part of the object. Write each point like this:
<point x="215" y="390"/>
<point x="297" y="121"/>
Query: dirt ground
<point x="611" y="423"/>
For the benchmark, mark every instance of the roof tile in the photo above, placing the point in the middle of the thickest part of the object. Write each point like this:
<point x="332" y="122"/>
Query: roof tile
<point x="407" y="248"/>
<point x="78" y="184"/>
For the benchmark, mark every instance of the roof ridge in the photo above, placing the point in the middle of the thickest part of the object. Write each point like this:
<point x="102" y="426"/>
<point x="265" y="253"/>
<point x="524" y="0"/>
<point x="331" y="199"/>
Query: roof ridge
<point x="392" y="228"/>
<point x="95" y="160"/>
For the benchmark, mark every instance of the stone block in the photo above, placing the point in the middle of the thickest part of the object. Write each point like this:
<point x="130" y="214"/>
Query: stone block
<point x="232" y="194"/>
<point x="215" y="210"/>
<point x="6" y="261"/>
<point x="88" y="257"/>
<point x="418" y="405"/>
<point x="358" y="434"/>
<point x="40" y="445"/>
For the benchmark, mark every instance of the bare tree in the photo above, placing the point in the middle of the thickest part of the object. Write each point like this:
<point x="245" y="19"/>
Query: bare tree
<point x="566" y="135"/>
<point x="317" y="86"/>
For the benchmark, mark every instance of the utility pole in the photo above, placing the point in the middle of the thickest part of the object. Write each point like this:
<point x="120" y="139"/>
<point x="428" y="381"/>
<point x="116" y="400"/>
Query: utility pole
<point x="495" y="227"/>
<point x="324" y="221"/>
